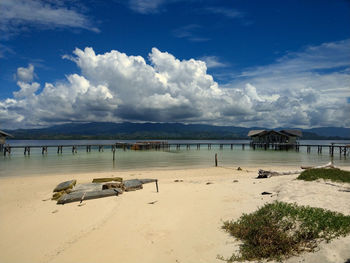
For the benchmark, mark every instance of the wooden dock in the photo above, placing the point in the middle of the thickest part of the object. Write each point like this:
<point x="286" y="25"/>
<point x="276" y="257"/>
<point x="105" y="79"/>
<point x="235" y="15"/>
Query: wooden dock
<point x="332" y="149"/>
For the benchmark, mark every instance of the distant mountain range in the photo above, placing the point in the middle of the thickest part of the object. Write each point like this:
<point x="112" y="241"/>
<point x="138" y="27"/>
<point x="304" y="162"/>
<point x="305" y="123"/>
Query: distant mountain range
<point x="127" y="130"/>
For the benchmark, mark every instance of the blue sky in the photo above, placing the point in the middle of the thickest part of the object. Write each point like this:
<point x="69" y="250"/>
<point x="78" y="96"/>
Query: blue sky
<point x="243" y="63"/>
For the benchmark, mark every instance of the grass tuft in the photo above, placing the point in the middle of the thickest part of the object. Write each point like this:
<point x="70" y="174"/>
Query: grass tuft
<point x="279" y="230"/>
<point x="335" y="175"/>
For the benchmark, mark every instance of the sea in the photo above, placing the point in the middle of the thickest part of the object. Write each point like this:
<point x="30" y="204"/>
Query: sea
<point x="18" y="164"/>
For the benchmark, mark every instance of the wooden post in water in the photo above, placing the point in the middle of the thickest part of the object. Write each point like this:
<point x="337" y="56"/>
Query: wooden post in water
<point x="44" y="150"/>
<point x="27" y="150"/>
<point x="7" y="149"/>
<point x="332" y="150"/>
<point x="216" y="160"/>
<point x="113" y="150"/>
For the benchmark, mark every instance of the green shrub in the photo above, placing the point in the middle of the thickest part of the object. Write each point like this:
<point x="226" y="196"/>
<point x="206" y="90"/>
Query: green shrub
<point x="335" y="175"/>
<point x="280" y="230"/>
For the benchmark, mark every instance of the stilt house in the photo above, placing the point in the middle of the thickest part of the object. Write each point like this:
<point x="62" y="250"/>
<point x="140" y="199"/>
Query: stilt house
<point x="3" y="136"/>
<point x="271" y="136"/>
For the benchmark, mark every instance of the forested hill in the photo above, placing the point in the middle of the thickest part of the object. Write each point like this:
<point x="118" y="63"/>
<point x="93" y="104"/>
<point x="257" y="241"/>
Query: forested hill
<point x="127" y="130"/>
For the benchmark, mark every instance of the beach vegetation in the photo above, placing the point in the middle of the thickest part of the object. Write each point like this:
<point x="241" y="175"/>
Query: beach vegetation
<point x="334" y="174"/>
<point x="280" y="230"/>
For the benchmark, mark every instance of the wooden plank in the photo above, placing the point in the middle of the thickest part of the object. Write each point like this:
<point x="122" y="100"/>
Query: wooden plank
<point x="81" y="195"/>
<point x="107" y="179"/>
<point x="132" y="185"/>
<point x="147" y="181"/>
<point x="87" y="187"/>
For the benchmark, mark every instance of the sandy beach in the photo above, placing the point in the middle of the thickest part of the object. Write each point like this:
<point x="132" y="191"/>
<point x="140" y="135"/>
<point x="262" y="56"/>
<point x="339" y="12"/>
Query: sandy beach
<point x="181" y="223"/>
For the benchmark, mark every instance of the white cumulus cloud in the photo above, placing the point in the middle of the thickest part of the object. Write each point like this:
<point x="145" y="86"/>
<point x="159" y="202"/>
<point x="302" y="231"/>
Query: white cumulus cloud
<point x="117" y="87"/>
<point x="25" y="74"/>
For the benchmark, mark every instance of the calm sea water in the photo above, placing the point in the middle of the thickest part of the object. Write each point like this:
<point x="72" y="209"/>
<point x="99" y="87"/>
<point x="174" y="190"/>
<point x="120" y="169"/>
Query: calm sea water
<point x="52" y="163"/>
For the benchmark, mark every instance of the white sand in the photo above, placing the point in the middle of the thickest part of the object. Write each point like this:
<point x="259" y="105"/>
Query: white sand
<point x="183" y="225"/>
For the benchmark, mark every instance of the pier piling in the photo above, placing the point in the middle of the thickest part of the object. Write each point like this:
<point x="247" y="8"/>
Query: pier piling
<point x="113" y="150"/>
<point x="27" y="150"/>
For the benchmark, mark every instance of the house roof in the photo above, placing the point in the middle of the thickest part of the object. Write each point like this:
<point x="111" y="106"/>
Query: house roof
<point x="2" y="133"/>
<point x="255" y="132"/>
<point x="297" y="133"/>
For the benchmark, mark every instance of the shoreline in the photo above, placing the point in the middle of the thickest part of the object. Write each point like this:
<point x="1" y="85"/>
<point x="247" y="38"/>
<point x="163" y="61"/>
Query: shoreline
<point x="274" y="167"/>
<point x="183" y="225"/>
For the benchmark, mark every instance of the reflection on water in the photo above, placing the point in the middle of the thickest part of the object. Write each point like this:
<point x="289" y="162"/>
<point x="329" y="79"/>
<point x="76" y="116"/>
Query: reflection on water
<point x="52" y="163"/>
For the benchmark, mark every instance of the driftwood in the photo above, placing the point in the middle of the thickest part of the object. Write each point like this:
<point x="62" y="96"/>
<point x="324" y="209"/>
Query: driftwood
<point x="268" y="174"/>
<point x="65" y="185"/>
<point x="87" y="187"/>
<point x="79" y="196"/>
<point x="132" y="185"/>
<point x="147" y="181"/>
<point x="103" y="180"/>
<point x="88" y="191"/>
<point x="136" y="184"/>
<point x="57" y="195"/>
<point x="112" y="185"/>
<point x="328" y="165"/>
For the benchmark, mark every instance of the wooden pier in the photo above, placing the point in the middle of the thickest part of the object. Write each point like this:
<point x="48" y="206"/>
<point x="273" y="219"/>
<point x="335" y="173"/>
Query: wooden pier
<point x="342" y="150"/>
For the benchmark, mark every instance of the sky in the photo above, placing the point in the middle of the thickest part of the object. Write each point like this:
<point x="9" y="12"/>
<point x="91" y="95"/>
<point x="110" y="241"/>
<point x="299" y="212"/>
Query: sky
<point x="242" y="63"/>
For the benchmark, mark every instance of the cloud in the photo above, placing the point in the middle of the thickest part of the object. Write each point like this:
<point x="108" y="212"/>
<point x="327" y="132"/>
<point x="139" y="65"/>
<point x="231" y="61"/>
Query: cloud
<point x="26" y="89"/>
<point x="190" y="32"/>
<point x="326" y="56"/>
<point x="226" y="12"/>
<point x="312" y="86"/>
<point x="25" y="74"/>
<point x="213" y="62"/>
<point x="117" y="87"/>
<point x="5" y="50"/>
<point x="146" y="6"/>
<point x="18" y="15"/>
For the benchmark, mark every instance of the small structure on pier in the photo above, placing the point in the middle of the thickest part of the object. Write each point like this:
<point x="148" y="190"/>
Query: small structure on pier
<point x="3" y="136"/>
<point x="148" y="145"/>
<point x="271" y="136"/>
